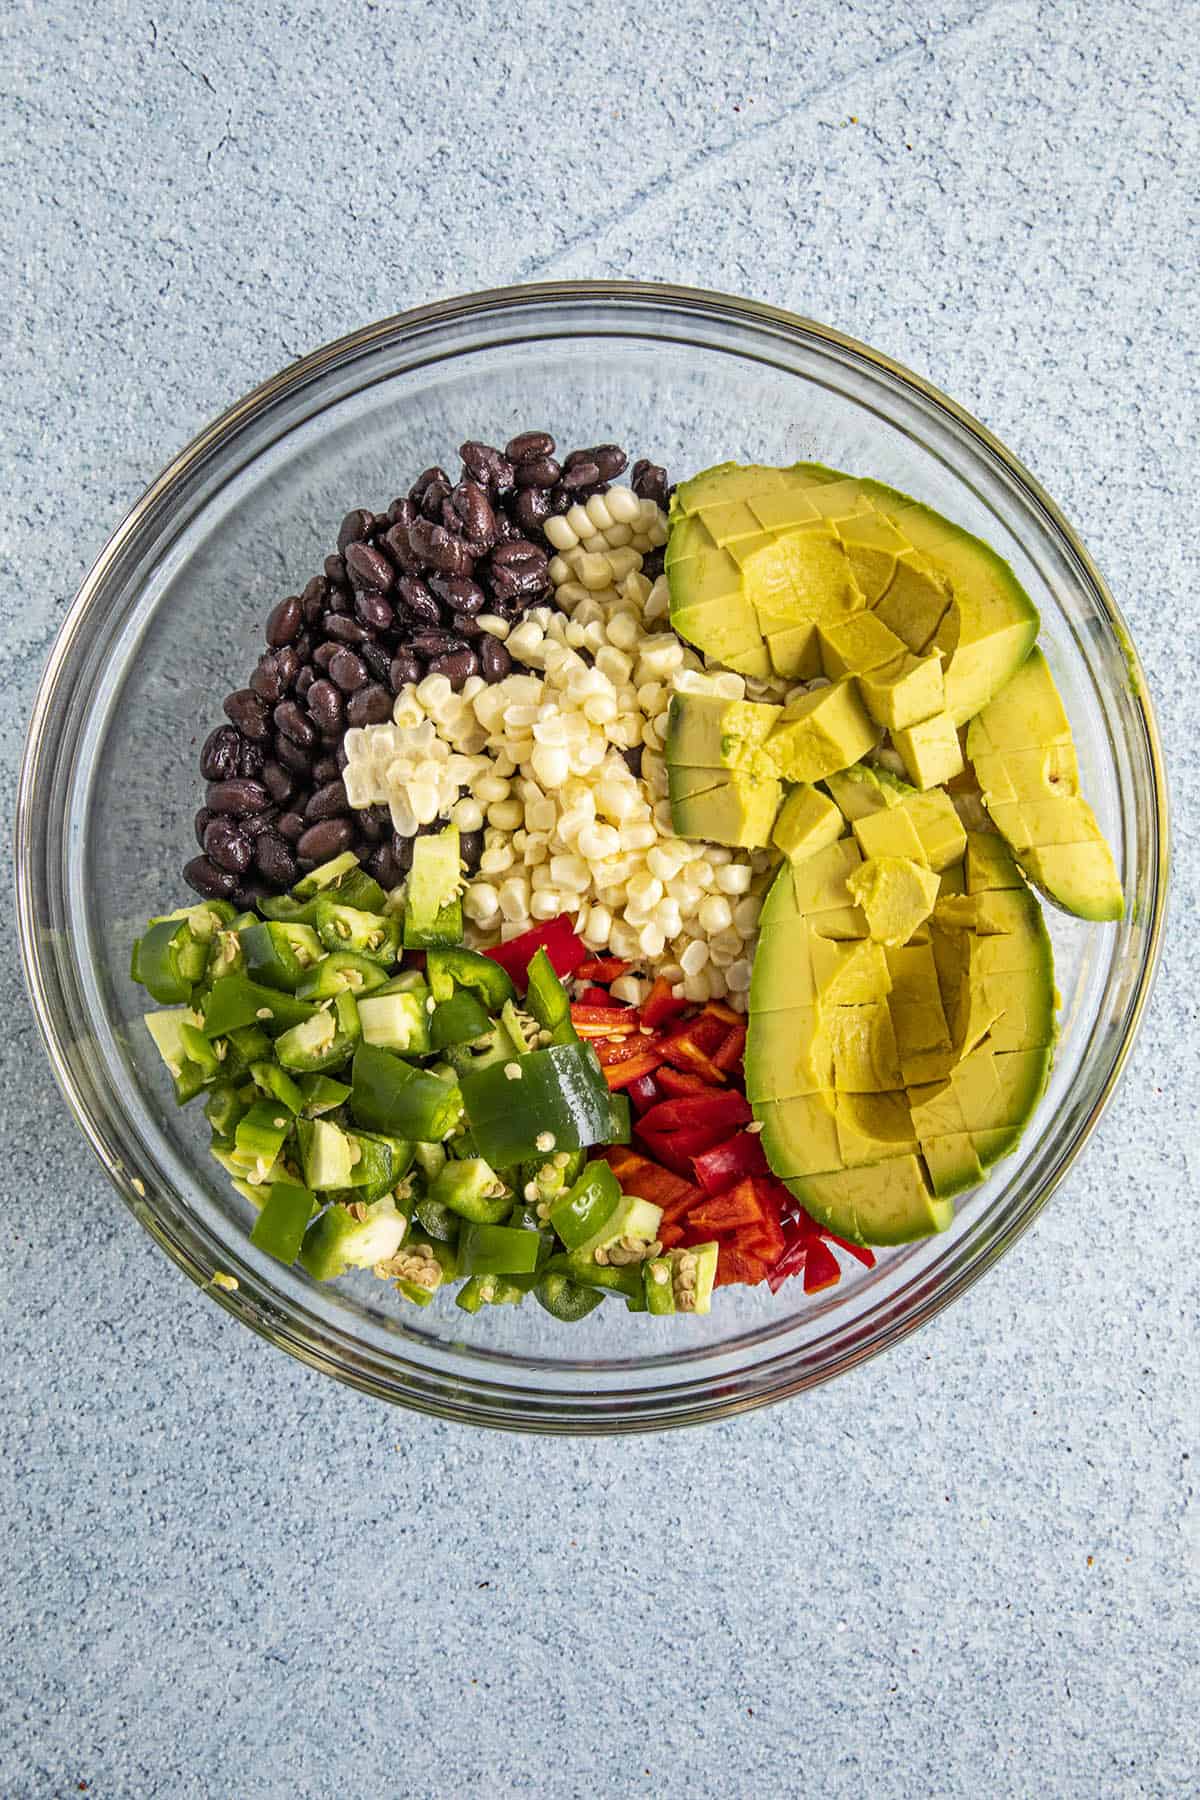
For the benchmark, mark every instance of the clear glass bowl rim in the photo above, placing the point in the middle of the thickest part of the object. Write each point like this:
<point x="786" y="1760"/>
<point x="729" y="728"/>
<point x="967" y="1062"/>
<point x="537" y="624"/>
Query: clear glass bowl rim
<point x="480" y="1402"/>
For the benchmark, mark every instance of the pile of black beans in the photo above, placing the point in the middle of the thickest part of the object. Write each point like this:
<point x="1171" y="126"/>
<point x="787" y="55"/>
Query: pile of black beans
<point x="400" y="599"/>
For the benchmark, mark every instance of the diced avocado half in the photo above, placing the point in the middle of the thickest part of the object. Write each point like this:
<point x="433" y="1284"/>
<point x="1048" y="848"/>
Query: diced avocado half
<point x="1023" y="755"/>
<point x="769" y="567"/>
<point x="889" y="1078"/>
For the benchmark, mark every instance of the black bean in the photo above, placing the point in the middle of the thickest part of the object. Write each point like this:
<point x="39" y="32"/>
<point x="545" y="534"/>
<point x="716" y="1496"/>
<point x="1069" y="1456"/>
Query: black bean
<point x="353" y="529"/>
<point x="540" y="474"/>
<point x="266" y="680"/>
<point x="471" y="505"/>
<point x="458" y="667"/>
<point x="487" y="466"/>
<point x="371" y="705"/>
<point x="345" y="631"/>
<point x="312" y="600"/>
<point x="532" y="508"/>
<point x="325" y="705"/>
<point x="328" y="802"/>
<point x="507" y="530"/>
<point x="208" y="880"/>
<point x="649" y="482"/>
<point x="228" y="847"/>
<point x="632" y="759"/>
<point x="369" y="828"/>
<point x="400" y="548"/>
<point x="201" y="821"/>
<point x="401" y="511"/>
<point x="494" y="660"/>
<point x="383" y="866"/>
<point x="520" y="550"/>
<point x="580" y="475"/>
<point x="324" y="653"/>
<point x="327" y="839"/>
<point x="609" y="459"/>
<point x="433" y="643"/>
<point x="274" y="860"/>
<point x="429" y="477"/>
<point x="237" y="797"/>
<point x="245" y="710"/>
<point x="325" y="769"/>
<point x="346" y="670"/>
<point x="250" y="760"/>
<point x="374" y="611"/>
<point x="528" y="446"/>
<point x="293" y="756"/>
<point x="405" y="670"/>
<point x="335" y="571"/>
<point x="303" y="682"/>
<point x="288" y="664"/>
<point x="652" y="563"/>
<point x="284" y="621"/>
<point x="279" y="782"/>
<point x="464" y="627"/>
<point x="560" y="500"/>
<point x="470" y="848"/>
<point x="369" y="568"/>
<point x="290" y="825"/>
<point x="419" y="603"/>
<point x="402" y="852"/>
<point x="459" y="593"/>
<point x="258" y="822"/>
<point x="341" y="599"/>
<point x="219" y="756"/>
<point x="434" y="545"/>
<point x="378" y="659"/>
<point x="515" y="582"/>
<point x="291" y="723"/>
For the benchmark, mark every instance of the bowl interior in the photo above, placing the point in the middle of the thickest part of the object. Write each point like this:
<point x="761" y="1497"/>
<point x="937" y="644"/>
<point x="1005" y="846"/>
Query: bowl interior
<point x="172" y="619"/>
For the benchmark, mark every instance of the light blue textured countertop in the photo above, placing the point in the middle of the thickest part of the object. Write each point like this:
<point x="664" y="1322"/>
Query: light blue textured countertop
<point x="970" y="1568"/>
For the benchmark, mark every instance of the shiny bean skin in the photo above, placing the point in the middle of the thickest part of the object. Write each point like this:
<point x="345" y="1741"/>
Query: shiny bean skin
<point x="303" y="682"/>
<point x="328" y="802"/>
<point x="293" y="756"/>
<point x="405" y="670"/>
<point x="267" y="681"/>
<point x="495" y="661"/>
<point x="353" y="529"/>
<point x="419" y="603"/>
<point x="227" y="847"/>
<point x="458" y="667"/>
<point x="458" y="592"/>
<point x="329" y="838"/>
<point x="532" y="508"/>
<point x="434" y="544"/>
<point x="325" y="705"/>
<point x="237" y="797"/>
<point x="373" y="611"/>
<point x="274" y="861"/>
<point x="540" y="474"/>
<point x="249" y="714"/>
<point x="371" y="705"/>
<point x="219" y="756"/>
<point x="529" y="446"/>
<point x="201" y="821"/>
<point x="488" y="467"/>
<point x="279" y="782"/>
<point x="207" y="879"/>
<point x="470" y="848"/>
<point x="326" y="769"/>
<point x="284" y="622"/>
<point x="290" y="825"/>
<point x="292" y="724"/>
<point x="377" y="658"/>
<point x="346" y="670"/>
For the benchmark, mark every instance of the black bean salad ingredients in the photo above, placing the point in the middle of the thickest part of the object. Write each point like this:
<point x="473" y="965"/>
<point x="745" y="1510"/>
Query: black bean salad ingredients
<point x="428" y="587"/>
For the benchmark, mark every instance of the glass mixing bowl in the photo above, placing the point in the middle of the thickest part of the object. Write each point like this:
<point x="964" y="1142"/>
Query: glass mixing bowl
<point x="171" y="617"/>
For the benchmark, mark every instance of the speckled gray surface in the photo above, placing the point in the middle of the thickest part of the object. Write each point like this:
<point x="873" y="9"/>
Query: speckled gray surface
<point x="969" y="1568"/>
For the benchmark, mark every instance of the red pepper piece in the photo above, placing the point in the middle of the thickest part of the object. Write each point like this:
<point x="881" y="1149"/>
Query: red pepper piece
<point x="602" y="968"/>
<point x="729" y="1211"/>
<point x="612" y="1050"/>
<point x="790" y="1263"/>
<point x="705" y="1031"/>
<point x="717" y="1009"/>
<point x="670" y="1235"/>
<point x="609" y="1020"/>
<point x="734" y="1265"/>
<point x="623" y="1074"/>
<point x="820" y="1268"/>
<point x="766" y="1241"/>
<point x="557" y="937"/>
<point x="683" y="1054"/>
<point x="660" y="1004"/>
<point x="863" y="1252"/>
<point x="644" y="1093"/>
<point x="727" y="1109"/>
<point x="729" y="1054"/>
<point x="739" y="1156"/>
<point x="598" y="996"/>
<point x="638" y="1175"/>
<point x="678" y="1081"/>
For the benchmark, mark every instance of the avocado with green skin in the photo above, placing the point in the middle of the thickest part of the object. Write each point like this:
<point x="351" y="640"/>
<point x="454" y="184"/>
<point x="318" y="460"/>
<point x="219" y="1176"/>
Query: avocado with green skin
<point x="1023" y="755"/>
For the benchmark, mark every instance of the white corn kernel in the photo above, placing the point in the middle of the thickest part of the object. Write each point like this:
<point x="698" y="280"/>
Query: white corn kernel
<point x="545" y="904"/>
<point x="694" y="957"/>
<point x="598" y="513"/>
<point x="745" y="914"/>
<point x="514" y="898"/>
<point x="496" y="859"/>
<point x="490" y="788"/>
<point x="594" y="572"/>
<point x="737" y="976"/>
<point x="505" y="815"/>
<point x="577" y="518"/>
<point x="617" y="536"/>
<point x="734" y="878"/>
<point x="599" y="924"/>
<point x="613" y="663"/>
<point x="715" y="914"/>
<point x="481" y="902"/>
<point x="623" y="631"/>
<point x="467" y="814"/>
<point x="629" y="989"/>
<point x="433" y="692"/>
<point x="559" y="531"/>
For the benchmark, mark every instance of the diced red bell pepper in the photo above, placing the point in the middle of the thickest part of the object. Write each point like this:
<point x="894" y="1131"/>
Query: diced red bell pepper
<point x="643" y="1062"/>
<point x="660" y="1004"/>
<point x="644" y="1093"/>
<point x="676" y="1130"/>
<point x="706" y="1031"/>
<point x="729" y="1211"/>
<point x="734" y="1265"/>
<point x="638" y="1175"/>
<point x="737" y="1157"/>
<point x="728" y="1055"/>
<point x="602" y="968"/>
<point x="611" y="1050"/>
<point x="679" y="1081"/>
<point x="608" y="1020"/>
<point x="717" y="1009"/>
<point x="557" y="937"/>
<point x="766" y="1241"/>
<point x="669" y="1236"/>
<point x="685" y="1055"/>
<point x="598" y="996"/>
<point x="820" y="1268"/>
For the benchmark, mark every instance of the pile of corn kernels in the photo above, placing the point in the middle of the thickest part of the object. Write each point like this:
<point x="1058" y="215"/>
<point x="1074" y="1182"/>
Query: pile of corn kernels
<point x="568" y="824"/>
